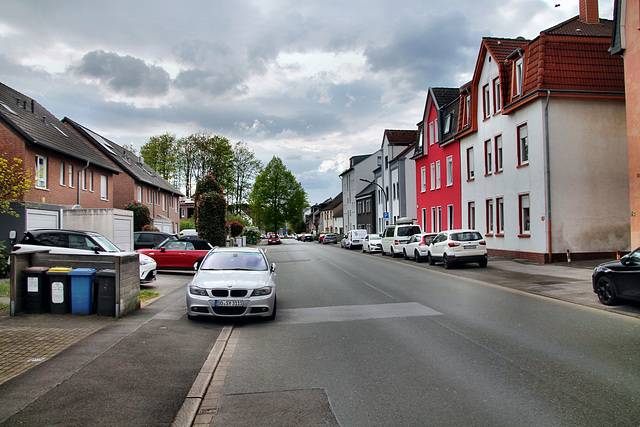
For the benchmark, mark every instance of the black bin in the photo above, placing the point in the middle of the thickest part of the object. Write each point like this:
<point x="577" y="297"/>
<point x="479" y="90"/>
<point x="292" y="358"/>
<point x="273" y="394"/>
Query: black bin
<point x="105" y="282"/>
<point x="38" y="290"/>
<point x="60" y="287"/>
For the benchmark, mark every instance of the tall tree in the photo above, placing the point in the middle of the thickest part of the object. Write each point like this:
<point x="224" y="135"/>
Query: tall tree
<point x="245" y="169"/>
<point x="187" y="162"/>
<point x="215" y="157"/>
<point x="160" y="154"/>
<point x="277" y="197"/>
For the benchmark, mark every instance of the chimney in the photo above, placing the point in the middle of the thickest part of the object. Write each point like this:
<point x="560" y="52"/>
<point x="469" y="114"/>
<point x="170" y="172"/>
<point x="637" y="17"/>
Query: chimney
<point x="589" y="11"/>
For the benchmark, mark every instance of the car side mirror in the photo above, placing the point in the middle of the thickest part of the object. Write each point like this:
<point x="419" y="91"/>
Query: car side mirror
<point x="625" y="260"/>
<point x="95" y="249"/>
<point x="162" y="249"/>
<point x="273" y="267"/>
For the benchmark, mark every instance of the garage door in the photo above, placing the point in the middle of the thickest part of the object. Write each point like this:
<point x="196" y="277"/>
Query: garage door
<point x="163" y="225"/>
<point x="123" y="233"/>
<point x="42" y="219"/>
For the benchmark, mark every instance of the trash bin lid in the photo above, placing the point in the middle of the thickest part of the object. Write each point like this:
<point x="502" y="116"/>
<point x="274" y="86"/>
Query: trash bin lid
<point x="60" y="269"/>
<point x="36" y="269"/>
<point x="106" y="272"/>
<point x="82" y="272"/>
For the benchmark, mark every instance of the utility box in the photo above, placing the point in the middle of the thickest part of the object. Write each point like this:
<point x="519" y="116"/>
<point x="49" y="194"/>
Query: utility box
<point x="60" y="289"/>
<point x="38" y="290"/>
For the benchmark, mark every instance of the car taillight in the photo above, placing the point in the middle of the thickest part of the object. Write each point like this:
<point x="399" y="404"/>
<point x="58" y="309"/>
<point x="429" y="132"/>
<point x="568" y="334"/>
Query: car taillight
<point x="482" y="242"/>
<point x="422" y="243"/>
<point x="396" y="242"/>
<point x="453" y="244"/>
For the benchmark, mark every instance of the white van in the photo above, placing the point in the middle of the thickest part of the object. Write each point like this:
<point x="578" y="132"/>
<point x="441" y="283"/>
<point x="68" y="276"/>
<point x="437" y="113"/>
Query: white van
<point x="395" y="237"/>
<point x="355" y="239"/>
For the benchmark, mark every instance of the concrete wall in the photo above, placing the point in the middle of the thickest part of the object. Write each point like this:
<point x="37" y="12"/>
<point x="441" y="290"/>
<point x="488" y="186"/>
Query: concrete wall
<point x="101" y="221"/>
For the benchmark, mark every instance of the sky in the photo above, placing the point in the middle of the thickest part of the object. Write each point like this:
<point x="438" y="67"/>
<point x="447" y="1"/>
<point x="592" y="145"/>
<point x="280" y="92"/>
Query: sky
<point x="312" y="82"/>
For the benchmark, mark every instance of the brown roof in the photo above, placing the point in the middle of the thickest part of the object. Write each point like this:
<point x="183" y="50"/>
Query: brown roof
<point x="401" y="137"/>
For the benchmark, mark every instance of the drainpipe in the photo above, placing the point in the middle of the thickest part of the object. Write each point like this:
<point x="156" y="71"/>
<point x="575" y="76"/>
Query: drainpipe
<point x="79" y="180"/>
<point x="548" y="174"/>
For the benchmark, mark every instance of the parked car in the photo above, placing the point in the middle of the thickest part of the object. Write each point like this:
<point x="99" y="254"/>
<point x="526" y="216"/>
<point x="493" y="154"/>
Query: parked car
<point x="233" y="282"/>
<point x="355" y="238"/>
<point x="188" y="232"/>
<point x="418" y="246"/>
<point x="372" y="243"/>
<point x="330" y="238"/>
<point x="60" y="241"/>
<point x="181" y="254"/>
<point x="458" y="246"/>
<point x="274" y="240"/>
<point x="150" y="239"/>
<point x="307" y="238"/>
<point x="397" y="235"/>
<point x="343" y="241"/>
<point x="617" y="280"/>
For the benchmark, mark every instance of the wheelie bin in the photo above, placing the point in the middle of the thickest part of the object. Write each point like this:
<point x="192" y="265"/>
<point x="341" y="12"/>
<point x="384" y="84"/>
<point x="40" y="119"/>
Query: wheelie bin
<point x="82" y="290"/>
<point x="38" y="290"/>
<point x="106" y="284"/>
<point x="60" y="289"/>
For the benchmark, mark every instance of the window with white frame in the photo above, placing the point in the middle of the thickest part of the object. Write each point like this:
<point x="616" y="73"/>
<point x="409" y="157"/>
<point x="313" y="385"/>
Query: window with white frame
<point x="433" y="176"/>
<point x="486" y="101"/>
<point x="424" y="219"/>
<point x="450" y="217"/>
<point x="91" y="181"/>
<point x="41" y="172"/>
<point x="164" y="202"/>
<point x="83" y="177"/>
<point x="497" y="96"/>
<point x="70" y="169"/>
<point x="498" y="156"/>
<point x="432" y="135"/>
<point x="471" y="215"/>
<point x="423" y="179"/>
<point x="489" y="212"/>
<point x="500" y="215"/>
<point x="525" y="215"/>
<point x="139" y="193"/>
<point x="470" y="164"/>
<point x="439" y="219"/>
<point x="438" y="174"/>
<point x="448" y="121"/>
<point x="62" y="172"/>
<point x="468" y="110"/>
<point x="523" y="145"/>
<point x="449" y="171"/>
<point x="488" y="157"/>
<point x="104" y="194"/>
<point x="420" y="138"/>
<point x="436" y="131"/>
<point x="434" y="223"/>
<point x="519" y="77"/>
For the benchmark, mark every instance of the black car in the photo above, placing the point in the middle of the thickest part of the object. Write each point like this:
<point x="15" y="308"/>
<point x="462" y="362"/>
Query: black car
<point x="616" y="280"/>
<point x="149" y="239"/>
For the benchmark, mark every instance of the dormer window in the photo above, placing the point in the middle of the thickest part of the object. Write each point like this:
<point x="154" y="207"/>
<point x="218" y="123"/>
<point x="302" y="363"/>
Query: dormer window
<point x="447" y="123"/>
<point x="518" y="77"/>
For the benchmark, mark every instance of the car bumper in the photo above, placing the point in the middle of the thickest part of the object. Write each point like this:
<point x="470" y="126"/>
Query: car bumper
<point x="251" y="307"/>
<point x="453" y="258"/>
<point x="148" y="272"/>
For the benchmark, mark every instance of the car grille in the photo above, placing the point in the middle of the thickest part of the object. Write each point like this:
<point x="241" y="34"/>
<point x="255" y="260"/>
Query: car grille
<point x="229" y="311"/>
<point x="225" y="293"/>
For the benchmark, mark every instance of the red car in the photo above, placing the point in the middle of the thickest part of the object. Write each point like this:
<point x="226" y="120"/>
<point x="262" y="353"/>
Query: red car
<point x="274" y="240"/>
<point x="180" y="254"/>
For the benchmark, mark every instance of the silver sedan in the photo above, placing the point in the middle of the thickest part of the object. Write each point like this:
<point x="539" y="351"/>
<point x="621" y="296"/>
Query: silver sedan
<point x="233" y="282"/>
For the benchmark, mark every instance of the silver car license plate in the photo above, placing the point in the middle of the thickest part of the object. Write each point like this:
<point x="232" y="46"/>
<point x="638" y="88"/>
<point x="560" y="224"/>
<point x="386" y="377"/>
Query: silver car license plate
<point x="231" y="303"/>
<point x="470" y="246"/>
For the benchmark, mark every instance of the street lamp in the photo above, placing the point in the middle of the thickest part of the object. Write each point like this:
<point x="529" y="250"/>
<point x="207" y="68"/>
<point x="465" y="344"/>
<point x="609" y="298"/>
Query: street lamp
<point x="386" y="198"/>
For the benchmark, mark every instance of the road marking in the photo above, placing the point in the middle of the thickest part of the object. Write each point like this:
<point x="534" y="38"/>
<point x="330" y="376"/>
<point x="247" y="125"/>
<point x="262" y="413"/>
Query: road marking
<point x="345" y="313"/>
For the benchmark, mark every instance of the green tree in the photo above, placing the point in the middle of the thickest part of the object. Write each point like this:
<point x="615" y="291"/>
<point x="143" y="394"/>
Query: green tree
<point x="186" y="163"/>
<point x="160" y="154"/>
<point x="277" y="197"/>
<point x="14" y="183"/>
<point x="211" y="211"/>
<point x="214" y="155"/>
<point x="141" y="215"/>
<point x="245" y="169"/>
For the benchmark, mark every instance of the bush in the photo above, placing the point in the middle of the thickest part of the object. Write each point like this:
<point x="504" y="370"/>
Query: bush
<point x="4" y="267"/>
<point x="211" y="221"/>
<point x="150" y="227"/>
<point x="187" y="224"/>
<point x="141" y="215"/>
<point x="252" y="234"/>
<point x="235" y="228"/>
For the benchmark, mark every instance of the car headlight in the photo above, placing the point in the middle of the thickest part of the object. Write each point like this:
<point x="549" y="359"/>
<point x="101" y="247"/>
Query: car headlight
<point x="145" y="259"/>
<point x="261" y="292"/>
<point x="197" y="291"/>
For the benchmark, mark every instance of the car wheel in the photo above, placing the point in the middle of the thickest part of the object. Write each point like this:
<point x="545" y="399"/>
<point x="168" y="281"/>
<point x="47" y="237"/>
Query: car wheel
<point x="272" y="316"/>
<point x="418" y="257"/>
<point x="604" y="289"/>
<point x="483" y="263"/>
<point x="430" y="259"/>
<point x="446" y="261"/>
<point x="382" y="251"/>
<point x="404" y="253"/>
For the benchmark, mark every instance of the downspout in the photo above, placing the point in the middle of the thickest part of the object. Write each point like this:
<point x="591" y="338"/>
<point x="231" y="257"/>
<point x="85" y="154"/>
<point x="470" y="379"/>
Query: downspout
<point x="79" y="182"/>
<point x="548" y="175"/>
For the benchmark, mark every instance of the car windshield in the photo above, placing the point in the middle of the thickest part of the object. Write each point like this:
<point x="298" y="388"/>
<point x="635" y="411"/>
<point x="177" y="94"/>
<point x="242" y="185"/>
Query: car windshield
<point x="408" y="230"/>
<point x="466" y="236"/>
<point x="374" y="237"/>
<point x="234" y="261"/>
<point x="106" y="243"/>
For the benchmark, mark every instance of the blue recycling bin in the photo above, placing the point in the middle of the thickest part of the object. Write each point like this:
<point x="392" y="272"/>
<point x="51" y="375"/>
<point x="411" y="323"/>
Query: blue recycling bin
<point x="82" y="290"/>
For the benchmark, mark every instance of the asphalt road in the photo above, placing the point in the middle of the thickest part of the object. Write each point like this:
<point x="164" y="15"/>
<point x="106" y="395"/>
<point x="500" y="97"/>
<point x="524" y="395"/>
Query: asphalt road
<point x="393" y="343"/>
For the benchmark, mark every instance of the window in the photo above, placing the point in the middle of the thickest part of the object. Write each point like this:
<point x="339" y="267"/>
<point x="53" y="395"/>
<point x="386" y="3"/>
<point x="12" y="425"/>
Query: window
<point x="449" y="171"/>
<point x="488" y="158"/>
<point x="439" y="219"/>
<point x="41" y="172"/>
<point x="423" y="179"/>
<point x="497" y="96"/>
<point x="500" y="215"/>
<point x="62" y="173"/>
<point x="489" y="211"/>
<point x="70" y="176"/>
<point x="450" y="217"/>
<point x="471" y="215"/>
<point x="420" y="138"/>
<point x="434" y="227"/>
<point x="438" y="174"/>
<point x="436" y="131"/>
<point x="486" y="101"/>
<point x="103" y="188"/>
<point x="468" y="110"/>
<point x="386" y="162"/>
<point x="83" y="177"/>
<point x="433" y="176"/>
<point x="432" y="135"/>
<point x="448" y="121"/>
<point x="394" y="191"/>
<point x="470" y="167"/>
<point x="164" y="202"/>
<point x="175" y="206"/>
<point x="498" y="141"/>
<point x="519" y="76"/>
<point x="523" y="145"/>
<point x="525" y="218"/>
<point x="139" y="193"/>
<point x="424" y="219"/>
<point x="91" y="181"/>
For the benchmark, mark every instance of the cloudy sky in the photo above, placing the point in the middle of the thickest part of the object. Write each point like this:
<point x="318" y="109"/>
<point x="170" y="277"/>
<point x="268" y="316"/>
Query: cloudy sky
<point x="312" y="82"/>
